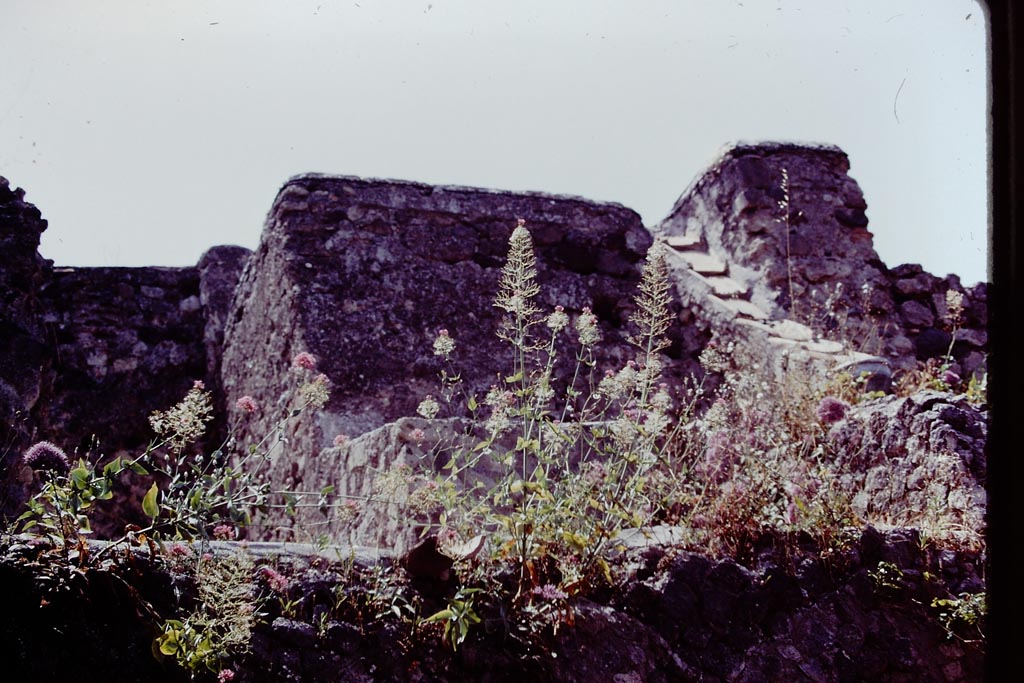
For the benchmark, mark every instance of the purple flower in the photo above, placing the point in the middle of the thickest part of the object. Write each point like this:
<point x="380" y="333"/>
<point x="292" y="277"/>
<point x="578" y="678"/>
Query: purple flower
<point x="47" y="456"/>
<point x="831" y="410"/>
<point x="950" y="378"/>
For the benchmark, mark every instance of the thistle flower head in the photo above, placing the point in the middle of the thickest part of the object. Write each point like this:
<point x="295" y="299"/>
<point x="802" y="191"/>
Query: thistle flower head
<point x="831" y="410"/>
<point x="47" y="456"/>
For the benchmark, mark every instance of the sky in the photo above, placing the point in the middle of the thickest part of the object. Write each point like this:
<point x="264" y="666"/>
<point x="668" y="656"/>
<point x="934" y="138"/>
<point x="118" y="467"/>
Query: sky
<point x="147" y="132"/>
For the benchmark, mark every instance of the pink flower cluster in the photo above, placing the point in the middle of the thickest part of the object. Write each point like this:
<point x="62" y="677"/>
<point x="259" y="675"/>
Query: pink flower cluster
<point x="304" y="361"/>
<point x="277" y="581"/>
<point x="179" y="550"/>
<point x="247" y="404"/>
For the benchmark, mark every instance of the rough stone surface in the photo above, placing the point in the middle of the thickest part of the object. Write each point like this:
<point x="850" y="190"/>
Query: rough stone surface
<point x="918" y="461"/>
<point x="363" y="274"/>
<point x="676" y="616"/>
<point x="813" y="260"/>
<point x="125" y="342"/>
<point x="23" y="355"/>
<point x="86" y="354"/>
<point x="220" y="269"/>
<point x="805" y="623"/>
<point x="354" y="469"/>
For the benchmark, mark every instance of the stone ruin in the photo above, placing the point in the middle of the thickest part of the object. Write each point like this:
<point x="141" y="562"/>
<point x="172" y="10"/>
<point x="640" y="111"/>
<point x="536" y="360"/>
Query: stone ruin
<point x="363" y="273"/>
<point x="769" y="249"/>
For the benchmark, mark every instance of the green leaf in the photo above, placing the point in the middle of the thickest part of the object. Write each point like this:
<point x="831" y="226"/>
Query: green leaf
<point x="169" y="644"/>
<point x="137" y="468"/>
<point x="443" y="615"/>
<point x="149" y="505"/>
<point x="472" y="405"/>
<point x="112" y="467"/>
<point x="195" y="499"/>
<point x="79" y="477"/>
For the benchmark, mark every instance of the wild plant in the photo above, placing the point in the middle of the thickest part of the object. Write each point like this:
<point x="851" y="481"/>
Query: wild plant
<point x="760" y="463"/>
<point x="963" y="614"/>
<point x="189" y="494"/>
<point x="557" y="472"/>
<point x="219" y="624"/>
<point x="940" y="373"/>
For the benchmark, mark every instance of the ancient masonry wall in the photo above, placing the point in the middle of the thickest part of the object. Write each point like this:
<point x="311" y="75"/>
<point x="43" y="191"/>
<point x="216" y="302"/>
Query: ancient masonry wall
<point x="364" y="273"/>
<point x="800" y="248"/>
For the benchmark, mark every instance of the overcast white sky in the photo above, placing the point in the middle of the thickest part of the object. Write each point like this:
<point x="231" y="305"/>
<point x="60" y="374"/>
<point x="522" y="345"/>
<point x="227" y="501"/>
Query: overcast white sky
<point x="147" y="132"/>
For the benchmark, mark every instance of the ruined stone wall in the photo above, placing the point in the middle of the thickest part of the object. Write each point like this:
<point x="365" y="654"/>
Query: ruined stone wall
<point x="22" y="270"/>
<point x="674" y="617"/>
<point x="122" y="340"/>
<point x="802" y="246"/>
<point x="922" y="312"/>
<point x="364" y="273"/>
<point x="87" y="354"/>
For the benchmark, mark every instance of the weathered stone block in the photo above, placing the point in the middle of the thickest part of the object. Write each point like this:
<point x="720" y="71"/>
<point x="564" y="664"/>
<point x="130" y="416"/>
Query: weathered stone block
<point x="366" y="278"/>
<point x="916" y="314"/>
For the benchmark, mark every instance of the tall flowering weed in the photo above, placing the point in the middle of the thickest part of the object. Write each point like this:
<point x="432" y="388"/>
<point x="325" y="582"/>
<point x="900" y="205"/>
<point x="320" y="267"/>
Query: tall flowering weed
<point x="560" y="466"/>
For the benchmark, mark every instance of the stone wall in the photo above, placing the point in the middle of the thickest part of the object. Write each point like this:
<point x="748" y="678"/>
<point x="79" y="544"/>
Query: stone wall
<point x="87" y="354"/>
<point x="674" y="616"/>
<point x="364" y="273"/>
<point x="918" y="461"/>
<point x="802" y="247"/>
<point x="122" y="340"/>
<point x="22" y="353"/>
